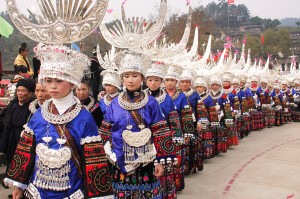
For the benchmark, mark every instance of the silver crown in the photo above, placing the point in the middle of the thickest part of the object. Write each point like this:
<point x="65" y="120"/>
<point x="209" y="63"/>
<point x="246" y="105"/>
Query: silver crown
<point x="235" y="80"/>
<point x="61" y="62"/>
<point x="215" y="80"/>
<point x="157" y="70"/>
<point x="130" y="61"/>
<point x="200" y="81"/>
<point x="173" y="72"/>
<point x="227" y="76"/>
<point x="61" y="22"/>
<point x="254" y="78"/>
<point x="136" y="32"/>
<point x="111" y="77"/>
<point x="186" y="75"/>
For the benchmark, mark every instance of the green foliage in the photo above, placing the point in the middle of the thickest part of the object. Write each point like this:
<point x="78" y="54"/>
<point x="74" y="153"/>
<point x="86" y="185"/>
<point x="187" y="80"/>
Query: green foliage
<point x="254" y="43"/>
<point x="238" y="14"/>
<point x="277" y="40"/>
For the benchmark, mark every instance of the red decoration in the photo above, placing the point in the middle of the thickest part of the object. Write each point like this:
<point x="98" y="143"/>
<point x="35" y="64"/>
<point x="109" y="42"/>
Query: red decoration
<point x="254" y="85"/>
<point x="234" y="92"/>
<point x="262" y="39"/>
<point x="109" y="11"/>
<point x="224" y="96"/>
<point x="230" y="2"/>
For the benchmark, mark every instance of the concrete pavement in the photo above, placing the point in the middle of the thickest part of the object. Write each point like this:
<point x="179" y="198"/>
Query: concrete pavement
<point x="265" y="165"/>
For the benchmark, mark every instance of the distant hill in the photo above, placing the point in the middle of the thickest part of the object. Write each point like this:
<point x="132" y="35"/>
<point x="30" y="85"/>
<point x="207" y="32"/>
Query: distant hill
<point x="289" y="21"/>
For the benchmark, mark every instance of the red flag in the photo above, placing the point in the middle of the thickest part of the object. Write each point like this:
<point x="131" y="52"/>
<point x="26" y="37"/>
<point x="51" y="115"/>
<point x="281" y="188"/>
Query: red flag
<point x="291" y="196"/>
<point x="262" y="39"/>
<point x="230" y="2"/>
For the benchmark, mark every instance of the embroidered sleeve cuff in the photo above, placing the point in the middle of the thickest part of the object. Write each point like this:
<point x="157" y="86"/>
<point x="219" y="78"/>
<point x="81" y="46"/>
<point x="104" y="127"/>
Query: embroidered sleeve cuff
<point x="91" y="139"/>
<point x="12" y="184"/>
<point x="28" y="130"/>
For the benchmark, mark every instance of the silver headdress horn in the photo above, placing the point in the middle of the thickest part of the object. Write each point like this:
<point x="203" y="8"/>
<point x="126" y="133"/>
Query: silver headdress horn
<point x="68" y="21"/>
<point x="134" y="33"/>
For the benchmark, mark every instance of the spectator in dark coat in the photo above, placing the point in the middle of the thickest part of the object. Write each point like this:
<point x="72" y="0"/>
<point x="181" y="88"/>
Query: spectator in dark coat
<point x="17" y="115"/>
<point x="96" y="69"/>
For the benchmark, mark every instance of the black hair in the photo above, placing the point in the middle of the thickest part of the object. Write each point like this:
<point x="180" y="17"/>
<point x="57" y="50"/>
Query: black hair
<point x="23" y="47"/>
<point x="21" y="68"/>
<point x="86" y="81"/>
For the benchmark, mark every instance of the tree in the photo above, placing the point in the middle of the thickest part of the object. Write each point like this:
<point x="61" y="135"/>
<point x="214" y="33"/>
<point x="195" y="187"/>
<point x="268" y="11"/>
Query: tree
<point x="298" y="24"/>
<point x="254" y="43"/>
<point x="269" y="23"/>
<point x="277" y="40"/>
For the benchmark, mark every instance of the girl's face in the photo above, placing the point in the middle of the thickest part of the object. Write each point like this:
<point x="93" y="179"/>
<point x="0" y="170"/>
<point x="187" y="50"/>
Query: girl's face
<point x="242" y="84"/>
<point x="132" y="80"/>
<point x="170" y="84"/>
<point x="200" y="89"/>
<point x="41" y="93"/>
<point x="185" y="85"/>
<point x="82" y="92"/>
<point x="263" y="84"/>
<point x="226" y="84"/>
<point x="284" y="86"/>
<point x="154" y="83"/>
<point x="110" y="89"/>
<point x="270" y="88"/>
<point x="58" y="88"/>
<point x="235" y="85"/>
<point x="215" y="87"/>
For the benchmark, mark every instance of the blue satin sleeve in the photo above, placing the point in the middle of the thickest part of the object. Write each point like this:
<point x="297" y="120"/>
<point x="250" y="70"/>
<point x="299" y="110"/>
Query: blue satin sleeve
<point x="208" y="102"/>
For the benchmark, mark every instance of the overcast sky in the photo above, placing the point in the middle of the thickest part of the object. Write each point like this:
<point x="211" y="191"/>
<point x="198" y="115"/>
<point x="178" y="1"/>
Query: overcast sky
<point x="275" y="9"/>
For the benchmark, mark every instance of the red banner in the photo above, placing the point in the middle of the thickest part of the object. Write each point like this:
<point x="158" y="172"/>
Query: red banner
<point x="262" y="39"/>
<point x="230" y="2"/>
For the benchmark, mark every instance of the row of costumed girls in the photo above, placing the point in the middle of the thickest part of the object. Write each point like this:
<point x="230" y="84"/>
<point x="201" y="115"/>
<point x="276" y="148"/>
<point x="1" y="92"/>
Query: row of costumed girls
<point x="204" y="117"/>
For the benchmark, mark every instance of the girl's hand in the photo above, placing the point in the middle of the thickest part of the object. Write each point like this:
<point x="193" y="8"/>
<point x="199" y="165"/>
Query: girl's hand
<point x="17" y="193"/>
<point x="158" y="170"/>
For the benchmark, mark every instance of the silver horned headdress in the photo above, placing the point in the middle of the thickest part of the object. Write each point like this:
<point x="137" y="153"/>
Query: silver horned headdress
<point x="65" y="22"/>
<point x="134" y="33"/>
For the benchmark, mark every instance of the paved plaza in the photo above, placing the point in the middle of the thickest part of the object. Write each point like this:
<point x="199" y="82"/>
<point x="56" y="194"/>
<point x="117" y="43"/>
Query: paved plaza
<point x="265" y="165"/>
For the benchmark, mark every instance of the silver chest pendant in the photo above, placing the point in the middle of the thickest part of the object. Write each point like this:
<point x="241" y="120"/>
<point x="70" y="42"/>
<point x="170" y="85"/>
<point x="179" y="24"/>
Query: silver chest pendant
<point x="53" y="166"/>
<point x="138" y="143"/>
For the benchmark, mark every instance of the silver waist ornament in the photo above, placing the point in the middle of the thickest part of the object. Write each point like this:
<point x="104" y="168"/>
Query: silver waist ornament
<point x="53" y="165"/>
<point x="137" y="146"/>
<point x="53" y="168"/>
